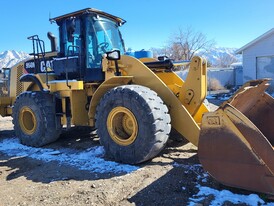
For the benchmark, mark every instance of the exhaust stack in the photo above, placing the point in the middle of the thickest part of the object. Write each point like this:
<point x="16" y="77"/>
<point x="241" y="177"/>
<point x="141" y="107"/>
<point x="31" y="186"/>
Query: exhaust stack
<point x="53" y="42"/>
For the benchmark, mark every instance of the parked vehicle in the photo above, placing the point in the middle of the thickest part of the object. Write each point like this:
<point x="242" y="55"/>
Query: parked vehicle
<point x="133" y="103"/>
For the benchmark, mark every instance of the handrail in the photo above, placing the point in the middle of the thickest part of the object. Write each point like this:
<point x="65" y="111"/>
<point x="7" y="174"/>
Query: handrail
<point x="38" y="47"/>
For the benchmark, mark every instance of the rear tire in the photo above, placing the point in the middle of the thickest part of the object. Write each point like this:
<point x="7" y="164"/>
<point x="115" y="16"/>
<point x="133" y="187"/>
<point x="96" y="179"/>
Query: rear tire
<point x="34" y="118"/>
<point x="133" y="123"/>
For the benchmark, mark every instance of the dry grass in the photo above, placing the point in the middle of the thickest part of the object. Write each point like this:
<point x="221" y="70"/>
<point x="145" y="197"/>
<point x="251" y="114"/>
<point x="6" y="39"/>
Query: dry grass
<point x="214" y="84"/>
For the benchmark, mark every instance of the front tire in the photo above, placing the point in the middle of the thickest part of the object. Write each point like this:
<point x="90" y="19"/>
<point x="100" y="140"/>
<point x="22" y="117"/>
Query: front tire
<point x="132" y="123"/>
<point x="34" y="118"/>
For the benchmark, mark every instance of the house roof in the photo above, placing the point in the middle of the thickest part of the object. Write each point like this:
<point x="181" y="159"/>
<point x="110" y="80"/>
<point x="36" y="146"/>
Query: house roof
<point x="268" y="33"/>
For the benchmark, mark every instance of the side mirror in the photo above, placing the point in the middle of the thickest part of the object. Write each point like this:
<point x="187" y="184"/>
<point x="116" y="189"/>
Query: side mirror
<point x="113" y="55"/>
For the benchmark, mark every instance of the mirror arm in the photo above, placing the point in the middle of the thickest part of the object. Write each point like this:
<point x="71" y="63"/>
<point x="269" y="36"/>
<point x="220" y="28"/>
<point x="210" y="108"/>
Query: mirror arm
<point x="117" y="73"/>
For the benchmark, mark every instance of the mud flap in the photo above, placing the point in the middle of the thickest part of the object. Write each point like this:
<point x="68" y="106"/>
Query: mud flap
<point x="236" y="141"/>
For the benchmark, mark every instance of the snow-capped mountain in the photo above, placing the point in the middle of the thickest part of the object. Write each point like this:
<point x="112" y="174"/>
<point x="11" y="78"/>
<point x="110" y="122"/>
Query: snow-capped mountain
<point x="216" y="56"/>
<point x="9" y="58"/>
<point x="221" y="56"/>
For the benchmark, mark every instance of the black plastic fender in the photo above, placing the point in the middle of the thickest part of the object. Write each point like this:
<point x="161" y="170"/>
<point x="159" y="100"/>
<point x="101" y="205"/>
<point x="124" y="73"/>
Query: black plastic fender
<point x="31" y="78"/>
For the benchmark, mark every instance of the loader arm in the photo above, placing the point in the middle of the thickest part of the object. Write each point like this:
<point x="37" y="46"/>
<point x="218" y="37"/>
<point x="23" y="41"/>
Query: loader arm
<point x="171" y="88"/>
<point x="193" y="91"/>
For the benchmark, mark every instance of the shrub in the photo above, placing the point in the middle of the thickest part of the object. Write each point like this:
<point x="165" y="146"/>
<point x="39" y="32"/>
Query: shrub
<point x="214" y="84"/>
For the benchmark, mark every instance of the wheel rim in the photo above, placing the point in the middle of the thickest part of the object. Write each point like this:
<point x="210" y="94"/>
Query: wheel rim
<point x="27" y="120"/>
<point x="122" y="126"/>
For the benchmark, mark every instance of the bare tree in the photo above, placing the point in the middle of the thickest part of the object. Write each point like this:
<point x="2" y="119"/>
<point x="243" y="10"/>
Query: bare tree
<point x="226" y="60"/>
<point x="159" y="52"/>
<point x="185" y="43"/>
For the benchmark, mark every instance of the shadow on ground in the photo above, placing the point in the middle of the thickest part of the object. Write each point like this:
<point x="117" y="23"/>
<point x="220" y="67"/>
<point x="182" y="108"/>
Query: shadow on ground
<point x="77" y="140"/>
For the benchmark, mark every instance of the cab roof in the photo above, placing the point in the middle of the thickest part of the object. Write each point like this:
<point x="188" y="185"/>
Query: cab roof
<point x="85" y="11"/>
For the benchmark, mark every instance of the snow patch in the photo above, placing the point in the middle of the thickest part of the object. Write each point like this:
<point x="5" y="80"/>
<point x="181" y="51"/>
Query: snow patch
<point x="220" y="197"/>
<point x="89" y="160"/>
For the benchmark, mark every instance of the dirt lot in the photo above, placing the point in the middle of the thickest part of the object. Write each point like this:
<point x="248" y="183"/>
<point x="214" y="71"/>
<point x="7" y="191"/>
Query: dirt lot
<point x="170" y="179"/>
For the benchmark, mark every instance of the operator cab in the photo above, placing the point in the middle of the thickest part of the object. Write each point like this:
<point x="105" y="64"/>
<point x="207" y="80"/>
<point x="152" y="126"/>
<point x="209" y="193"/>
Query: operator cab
<point x="85" y="36"/>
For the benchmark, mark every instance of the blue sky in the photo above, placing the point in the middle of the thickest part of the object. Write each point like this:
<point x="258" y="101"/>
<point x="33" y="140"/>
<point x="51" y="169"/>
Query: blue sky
<point x="150" y="23"/>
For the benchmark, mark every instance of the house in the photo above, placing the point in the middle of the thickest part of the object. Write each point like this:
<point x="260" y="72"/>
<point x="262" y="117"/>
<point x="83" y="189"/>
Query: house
<point x="258" y="58"/>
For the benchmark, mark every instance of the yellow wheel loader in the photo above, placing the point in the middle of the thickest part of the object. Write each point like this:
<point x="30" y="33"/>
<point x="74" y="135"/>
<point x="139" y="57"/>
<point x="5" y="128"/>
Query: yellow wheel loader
<point x="134" y="103"/>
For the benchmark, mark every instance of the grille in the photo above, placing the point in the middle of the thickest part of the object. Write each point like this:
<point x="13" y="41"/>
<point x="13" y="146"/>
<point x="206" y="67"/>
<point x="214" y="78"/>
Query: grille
<point x="19" y="86"/>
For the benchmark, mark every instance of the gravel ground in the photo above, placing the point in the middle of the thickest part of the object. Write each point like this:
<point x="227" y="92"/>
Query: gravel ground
<point x="173" y="178"/>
